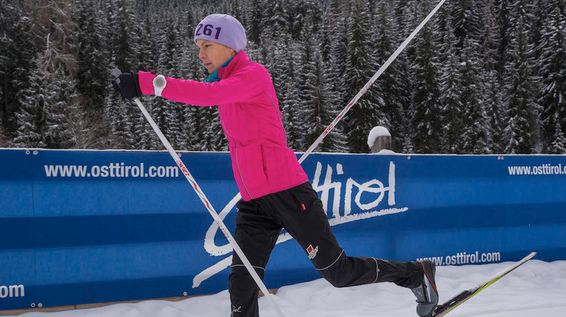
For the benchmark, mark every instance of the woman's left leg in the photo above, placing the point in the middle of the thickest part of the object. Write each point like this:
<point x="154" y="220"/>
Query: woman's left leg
<point x="301" y="212"/>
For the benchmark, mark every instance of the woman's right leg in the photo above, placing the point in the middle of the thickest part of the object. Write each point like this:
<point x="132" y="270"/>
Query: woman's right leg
<point x="256" y="234"/>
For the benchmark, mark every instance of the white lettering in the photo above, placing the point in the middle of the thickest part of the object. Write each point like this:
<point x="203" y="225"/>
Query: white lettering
<point x="113" y="170"/>
<point x="95" y="171"/>
<point x="135" y="171"/>
<point x="327" y="186"/>
<point x="464" y="258"/>
<point x="12" y="291"/>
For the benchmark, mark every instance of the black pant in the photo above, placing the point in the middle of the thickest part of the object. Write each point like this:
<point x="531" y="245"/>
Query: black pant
<point x="300" y="212"/>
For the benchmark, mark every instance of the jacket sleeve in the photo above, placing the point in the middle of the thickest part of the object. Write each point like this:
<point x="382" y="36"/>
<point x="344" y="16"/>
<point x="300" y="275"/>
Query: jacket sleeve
<point x="242" y="86"/>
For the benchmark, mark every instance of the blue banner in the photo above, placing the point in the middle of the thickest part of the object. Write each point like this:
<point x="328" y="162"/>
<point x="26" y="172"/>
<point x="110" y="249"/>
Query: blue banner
<point x="82" y="227"/>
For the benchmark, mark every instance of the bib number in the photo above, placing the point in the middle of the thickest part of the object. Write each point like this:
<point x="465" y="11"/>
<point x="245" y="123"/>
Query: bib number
<point x="207" y="30"/>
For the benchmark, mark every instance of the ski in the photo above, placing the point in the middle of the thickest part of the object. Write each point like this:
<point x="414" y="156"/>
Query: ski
<point x="463" y="296"/>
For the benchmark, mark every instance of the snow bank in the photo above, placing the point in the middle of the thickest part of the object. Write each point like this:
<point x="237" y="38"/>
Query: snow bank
<point x="534" y="289"/>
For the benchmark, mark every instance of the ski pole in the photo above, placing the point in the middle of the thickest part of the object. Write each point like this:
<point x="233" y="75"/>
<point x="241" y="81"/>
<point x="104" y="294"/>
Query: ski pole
<point x="116" y="72"/>
<point x="369" y="83"/>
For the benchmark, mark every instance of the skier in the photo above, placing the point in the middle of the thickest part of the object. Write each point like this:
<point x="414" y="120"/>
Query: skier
<point x="276" y="192"/>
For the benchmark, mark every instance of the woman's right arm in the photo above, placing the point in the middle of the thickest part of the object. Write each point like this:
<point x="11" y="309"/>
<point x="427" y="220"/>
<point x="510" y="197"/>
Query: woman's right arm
<point x="240" y="87"/>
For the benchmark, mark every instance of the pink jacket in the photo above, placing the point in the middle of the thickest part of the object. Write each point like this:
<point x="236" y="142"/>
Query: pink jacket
<point x="252" y="122"/>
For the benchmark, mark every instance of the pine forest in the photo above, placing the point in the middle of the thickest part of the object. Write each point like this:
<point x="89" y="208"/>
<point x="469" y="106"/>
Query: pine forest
<point x="482" y="77"/>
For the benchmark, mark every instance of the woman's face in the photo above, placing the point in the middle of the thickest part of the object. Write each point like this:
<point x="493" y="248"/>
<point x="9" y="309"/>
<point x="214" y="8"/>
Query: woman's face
<point x="213" y="54"/>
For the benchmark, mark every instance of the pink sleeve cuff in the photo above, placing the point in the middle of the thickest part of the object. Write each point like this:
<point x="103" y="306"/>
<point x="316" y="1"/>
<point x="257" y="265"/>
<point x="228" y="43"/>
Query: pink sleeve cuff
<point x="146" y="82"/>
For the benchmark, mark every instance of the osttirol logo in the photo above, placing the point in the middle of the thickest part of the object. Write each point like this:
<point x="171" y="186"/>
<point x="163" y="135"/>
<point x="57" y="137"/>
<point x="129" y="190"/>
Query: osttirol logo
<point x="10" y="291"/>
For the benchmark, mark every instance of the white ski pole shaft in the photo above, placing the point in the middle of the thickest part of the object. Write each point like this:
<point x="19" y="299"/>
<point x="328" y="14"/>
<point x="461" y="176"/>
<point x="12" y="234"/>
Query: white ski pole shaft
<point x="369" y="83"/>
<point x="209" y="207"/>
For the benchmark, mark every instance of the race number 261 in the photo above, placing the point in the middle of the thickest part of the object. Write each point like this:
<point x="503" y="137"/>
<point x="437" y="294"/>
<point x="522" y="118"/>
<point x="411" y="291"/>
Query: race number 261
<point x="207" y="30"/>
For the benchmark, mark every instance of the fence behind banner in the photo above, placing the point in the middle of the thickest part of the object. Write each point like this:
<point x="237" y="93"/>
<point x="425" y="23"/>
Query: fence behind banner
<point x="81" y="227"/>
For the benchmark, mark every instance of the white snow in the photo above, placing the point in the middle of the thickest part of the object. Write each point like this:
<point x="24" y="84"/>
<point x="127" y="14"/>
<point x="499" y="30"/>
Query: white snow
<point x="535" y="289"/>
<point x="376" y="133"/>
<point x="386" y="152"/>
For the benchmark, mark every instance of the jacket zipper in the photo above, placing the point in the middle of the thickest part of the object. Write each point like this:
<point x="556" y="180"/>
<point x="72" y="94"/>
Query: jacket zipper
<point x="237" y="161"/>
<point x="240" y="171"/>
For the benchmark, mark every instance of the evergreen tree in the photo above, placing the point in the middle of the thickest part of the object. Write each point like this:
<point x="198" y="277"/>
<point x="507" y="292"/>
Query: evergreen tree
<point x="189" y="66"/>
<point x="60" y="93"/>
<point x="409" y="16"/>
<point x="30" y="116"/>
<point x="367" y="113"/>
<point x="93" y="65"/>
<point x="117" y="113"/>
<point x="277" y="19"/>
<point x="147" y="56"/>
<point x="125" y="38"/>
<point x="492" y="82"/>
<point x="107" y="17"/>
<point x="336" y="139"/>
<point x="558" y="144"/>
<point x="491" y="38"/>
<point x="552" y="96"/>
<point x="466" y="21"/>
<point x="304" y="14"/>
<point x="317" y="103"/>
<point x="236" y="10"/>
<point x="451" y="95"/>
<point x="496" y="112"/>
<point x="341" y="62"/>
<point x="87" y="131"/>
<point x="85" y="119"/>
<point x="475" y="132"/>
<point x="537" y="20"/>
<point x="521" y="105"/>
<point x="289" y="101"/>
<point x="168" y="113"/>
<point x="309" y="101"/>
<point x="56" y="38"/>
<point x="502" y="8"/>
<point x="391" y="86"/>
<point x="256" y="21"/>
<point x="44" y="118"/>
<point x="196" y="118"/>
<point x="426" y="120"/>
<point x="123" y="27"/>
<point x="278" y="69"/>
<point x="327" y="36"/>
<point x="56" y="72"/>
<point x="3" y="141"/>
<point x="17" y="63"/>
<point x="211" y="135"/>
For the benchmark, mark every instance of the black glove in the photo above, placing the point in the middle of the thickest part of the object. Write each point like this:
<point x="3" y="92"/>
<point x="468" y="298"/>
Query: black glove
<point x="127" y="84"/>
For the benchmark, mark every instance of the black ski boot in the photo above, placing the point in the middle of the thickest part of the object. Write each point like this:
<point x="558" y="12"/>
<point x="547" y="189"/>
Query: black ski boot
<point x="426" y="293"/>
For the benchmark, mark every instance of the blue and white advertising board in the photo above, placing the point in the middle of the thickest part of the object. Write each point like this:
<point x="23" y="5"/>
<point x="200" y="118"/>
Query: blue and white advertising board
<point x="81" y="227"/>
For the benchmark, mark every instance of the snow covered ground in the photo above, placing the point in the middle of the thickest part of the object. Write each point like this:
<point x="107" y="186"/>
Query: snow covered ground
<point x="535" y="289"/>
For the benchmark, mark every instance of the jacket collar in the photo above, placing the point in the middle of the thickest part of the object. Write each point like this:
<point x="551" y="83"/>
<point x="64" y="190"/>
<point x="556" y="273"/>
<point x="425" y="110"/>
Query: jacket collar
<point x="237" y="62"/>
<point x="215" y="76"/>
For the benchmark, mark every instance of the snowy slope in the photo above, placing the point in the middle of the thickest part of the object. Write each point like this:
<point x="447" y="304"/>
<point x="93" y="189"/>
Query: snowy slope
<point x="535" y="289"/>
